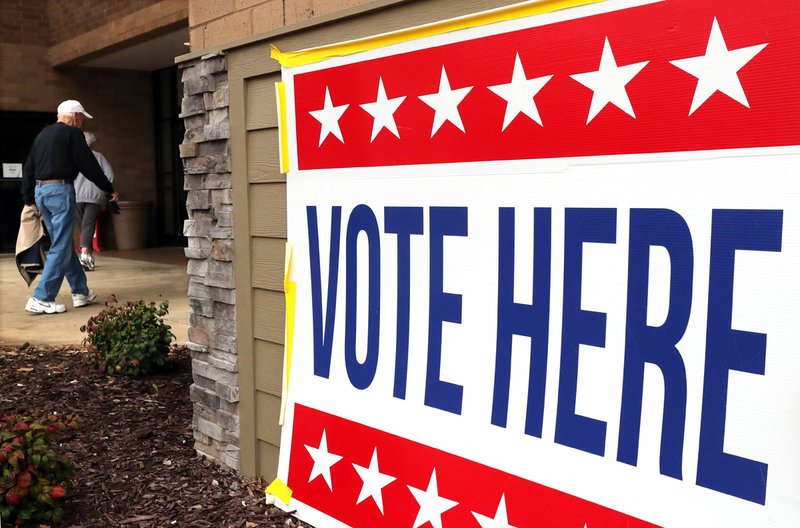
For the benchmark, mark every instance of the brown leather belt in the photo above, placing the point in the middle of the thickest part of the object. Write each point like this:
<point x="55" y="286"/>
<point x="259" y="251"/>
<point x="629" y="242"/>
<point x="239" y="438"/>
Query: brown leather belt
<point x="45" y="182"/>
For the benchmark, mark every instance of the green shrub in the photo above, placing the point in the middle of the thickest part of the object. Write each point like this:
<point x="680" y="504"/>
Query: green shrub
<point x="34" y="471"/>
<point x="129" y="339"/>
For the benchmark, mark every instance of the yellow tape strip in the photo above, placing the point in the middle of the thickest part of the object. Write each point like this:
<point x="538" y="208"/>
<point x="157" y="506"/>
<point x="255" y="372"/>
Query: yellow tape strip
<point x="283" y="130"/>
<point x="290" y="59"/>
<point x="290" y="292"/>
<point x="280" y="490"/>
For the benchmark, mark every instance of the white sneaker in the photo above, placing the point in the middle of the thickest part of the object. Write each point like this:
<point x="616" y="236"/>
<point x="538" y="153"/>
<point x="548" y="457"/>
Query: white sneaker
<point x="87" y="261"/>
<point x="34" y="305"/>
<point x="79" y="299"/>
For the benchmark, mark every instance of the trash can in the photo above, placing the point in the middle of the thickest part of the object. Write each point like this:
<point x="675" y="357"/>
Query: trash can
<point x="130" y="225"/>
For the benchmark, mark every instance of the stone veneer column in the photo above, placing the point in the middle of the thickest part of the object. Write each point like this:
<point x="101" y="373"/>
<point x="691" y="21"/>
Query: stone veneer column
<point x="212" y="295"/>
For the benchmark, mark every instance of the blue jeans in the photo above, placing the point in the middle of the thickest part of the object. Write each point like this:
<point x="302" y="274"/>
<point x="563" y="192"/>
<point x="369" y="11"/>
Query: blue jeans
<point x="56" y="203"/>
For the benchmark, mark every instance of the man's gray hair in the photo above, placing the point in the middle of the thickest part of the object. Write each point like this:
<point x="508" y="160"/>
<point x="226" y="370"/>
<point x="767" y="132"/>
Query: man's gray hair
<point x="90" y="139"/>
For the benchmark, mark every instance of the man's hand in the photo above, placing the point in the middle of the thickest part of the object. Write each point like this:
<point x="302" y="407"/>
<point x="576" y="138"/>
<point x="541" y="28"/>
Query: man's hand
<point x="113" y="197"/>
<point x="35" y="209"/>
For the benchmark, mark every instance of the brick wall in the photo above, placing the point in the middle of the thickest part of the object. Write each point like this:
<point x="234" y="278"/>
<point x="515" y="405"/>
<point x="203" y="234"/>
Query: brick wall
<point x="121" y="103"/>
<point x="46" y="22"/>
<point x="24" y="72"/>
<point x="209" y="230"/>
<point x="24" y="22"/>
<point x="75" y="17"/>
<point x="216" y="22"/>
<point x="151" y="20"/>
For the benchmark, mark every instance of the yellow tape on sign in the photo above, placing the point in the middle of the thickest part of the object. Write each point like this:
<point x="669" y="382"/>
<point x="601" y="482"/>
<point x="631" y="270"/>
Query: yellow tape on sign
<point x="290" y="59"/>
<point x="280" y="490"/>
<point x="283" y="131"/>
<point x="290" y="292"/>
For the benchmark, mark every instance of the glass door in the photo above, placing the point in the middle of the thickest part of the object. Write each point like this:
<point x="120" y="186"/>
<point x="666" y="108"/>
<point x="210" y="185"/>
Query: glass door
<point x="170" y="199"/>
<point x="17" y="132"/>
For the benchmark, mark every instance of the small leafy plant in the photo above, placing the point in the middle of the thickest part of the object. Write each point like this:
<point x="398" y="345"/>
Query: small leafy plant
<point x="129" y="339"/>
<point x="34" y="470"/>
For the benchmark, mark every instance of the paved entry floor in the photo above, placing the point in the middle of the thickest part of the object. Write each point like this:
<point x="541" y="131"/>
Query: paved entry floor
<point x="150" y="274"/>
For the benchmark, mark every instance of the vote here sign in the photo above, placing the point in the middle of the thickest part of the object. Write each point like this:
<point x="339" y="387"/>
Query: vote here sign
<point x="547" y="272"/>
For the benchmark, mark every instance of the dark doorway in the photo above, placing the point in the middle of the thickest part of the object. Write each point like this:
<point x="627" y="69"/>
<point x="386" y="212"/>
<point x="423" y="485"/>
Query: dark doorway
<point x="17" y="132"/>
<point x="170" y="195"/>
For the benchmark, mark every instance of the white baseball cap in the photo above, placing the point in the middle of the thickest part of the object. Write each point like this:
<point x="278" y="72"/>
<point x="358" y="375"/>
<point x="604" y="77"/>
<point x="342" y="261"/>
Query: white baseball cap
<point x="72" y="106"/>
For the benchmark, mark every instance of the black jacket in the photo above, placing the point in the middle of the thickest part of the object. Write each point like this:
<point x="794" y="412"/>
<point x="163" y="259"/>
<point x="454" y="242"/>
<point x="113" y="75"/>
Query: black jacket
<point x="60" y="152"/>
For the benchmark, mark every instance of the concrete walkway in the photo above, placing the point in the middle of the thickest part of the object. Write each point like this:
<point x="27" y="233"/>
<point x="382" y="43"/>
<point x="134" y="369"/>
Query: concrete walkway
<point x="150" y="274"/>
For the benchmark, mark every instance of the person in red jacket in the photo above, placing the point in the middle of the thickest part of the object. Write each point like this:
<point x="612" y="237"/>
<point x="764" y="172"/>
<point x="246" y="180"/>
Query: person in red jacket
<point x="58" y="154"/>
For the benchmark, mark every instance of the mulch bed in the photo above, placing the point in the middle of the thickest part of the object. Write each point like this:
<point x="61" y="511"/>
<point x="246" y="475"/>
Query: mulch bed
<point x="136" y="463"/>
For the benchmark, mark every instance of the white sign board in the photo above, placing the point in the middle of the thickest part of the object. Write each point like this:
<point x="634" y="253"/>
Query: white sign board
<point x="547" y="273"/>
<point x="12" y="170"/>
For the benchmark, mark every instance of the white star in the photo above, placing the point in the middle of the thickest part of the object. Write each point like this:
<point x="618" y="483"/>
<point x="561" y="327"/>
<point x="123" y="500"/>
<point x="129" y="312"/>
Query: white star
<point x="382" y="111"/>
<point x="323" y="460"/>
<point x="431" y="505"/>
<point x="608" y="83"/>
<point x="445" y="102"/>
<point x="500" y="517"/>
<point x="519" y="94"/>
<point x="328" y="117"/>
<point x="717" y="70"/>
<point x="374" y="481"/>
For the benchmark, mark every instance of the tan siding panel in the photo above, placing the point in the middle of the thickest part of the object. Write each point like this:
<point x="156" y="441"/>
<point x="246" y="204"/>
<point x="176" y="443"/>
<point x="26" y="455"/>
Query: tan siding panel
<point x="268" y="263"/>
<point x="331" y="6"/>
<point x="267" y="461"/>
<point x="269" y="315"/>
<point x="269" y="367"/>
<point x="262" y="108"/>
<point x="263" y="156"/>
<point x="268" y="411"/>
<point x="268" y="210"/>
<point x="252" y="61"/>
<point x="244" y="303"/>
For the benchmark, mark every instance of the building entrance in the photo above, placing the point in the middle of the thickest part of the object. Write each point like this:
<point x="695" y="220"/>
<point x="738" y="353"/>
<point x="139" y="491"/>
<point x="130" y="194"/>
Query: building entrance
<point x="17" y="132"/>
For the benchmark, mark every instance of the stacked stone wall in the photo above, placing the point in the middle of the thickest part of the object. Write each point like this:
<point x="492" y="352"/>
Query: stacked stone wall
<point x="209" y="230"/>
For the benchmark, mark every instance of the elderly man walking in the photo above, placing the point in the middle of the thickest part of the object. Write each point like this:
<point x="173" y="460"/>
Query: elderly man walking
<point x="58" y="154"/>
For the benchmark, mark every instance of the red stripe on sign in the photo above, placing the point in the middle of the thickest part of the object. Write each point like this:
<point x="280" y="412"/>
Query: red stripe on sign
<point x="365" y="477"/>
<point x="678" y="75"/>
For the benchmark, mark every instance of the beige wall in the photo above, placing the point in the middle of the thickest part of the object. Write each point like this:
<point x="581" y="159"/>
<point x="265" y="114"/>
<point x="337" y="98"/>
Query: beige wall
<point x="212" y="23"/>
